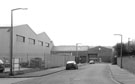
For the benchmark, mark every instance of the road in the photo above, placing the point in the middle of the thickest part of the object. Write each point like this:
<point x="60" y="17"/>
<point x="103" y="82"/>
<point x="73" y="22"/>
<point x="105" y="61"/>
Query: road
<point x="87" y="74"/>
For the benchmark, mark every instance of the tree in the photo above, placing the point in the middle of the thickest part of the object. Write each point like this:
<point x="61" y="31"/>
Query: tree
<point x="132" y="49"/>
<point x="117" y="48"/>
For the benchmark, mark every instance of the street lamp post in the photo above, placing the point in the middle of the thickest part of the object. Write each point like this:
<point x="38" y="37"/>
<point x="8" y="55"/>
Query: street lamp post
<point x="128" y="46"/>
<point x="87" y="57"/>
<point x="11" y="39"/>
<point x="77" y="51"/>
<point x="120" y="49"/>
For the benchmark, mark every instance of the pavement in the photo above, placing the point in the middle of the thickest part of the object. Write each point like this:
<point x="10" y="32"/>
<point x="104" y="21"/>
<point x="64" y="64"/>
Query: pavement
<point x="36" y="73"/>
<point x="8" y="69"/>
<point x="40" y="73"/>
<point x="121" y="76"/>
<point x="17" y="78"/>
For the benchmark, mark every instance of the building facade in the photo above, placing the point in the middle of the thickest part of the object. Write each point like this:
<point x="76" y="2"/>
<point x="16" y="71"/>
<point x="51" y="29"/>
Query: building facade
<point x="100" y="54"/>
<point x="86" y="53"/>
<point x="26" y="44"/>
<point x="79" y="54"/>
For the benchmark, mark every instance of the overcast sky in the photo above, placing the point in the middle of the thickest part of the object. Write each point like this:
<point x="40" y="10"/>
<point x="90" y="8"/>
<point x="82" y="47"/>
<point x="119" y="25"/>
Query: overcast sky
<point x="67" y="22"/>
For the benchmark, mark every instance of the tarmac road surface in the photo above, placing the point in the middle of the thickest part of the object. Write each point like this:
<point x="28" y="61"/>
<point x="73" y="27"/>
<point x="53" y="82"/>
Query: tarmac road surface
<point x="87" y="74"/>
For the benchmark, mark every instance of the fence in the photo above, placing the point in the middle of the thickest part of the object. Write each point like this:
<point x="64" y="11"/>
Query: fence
<point x="41" y="61"/>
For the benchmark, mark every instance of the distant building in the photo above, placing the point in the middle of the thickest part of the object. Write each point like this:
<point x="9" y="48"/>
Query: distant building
<point x="86" y="53"/>
<point x="100" y="53"/>
<point x="82" y="52"/>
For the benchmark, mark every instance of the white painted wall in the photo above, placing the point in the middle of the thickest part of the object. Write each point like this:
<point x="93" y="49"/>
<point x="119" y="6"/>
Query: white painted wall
<point x="4" y="42"/>
<point x="24" y="50"/>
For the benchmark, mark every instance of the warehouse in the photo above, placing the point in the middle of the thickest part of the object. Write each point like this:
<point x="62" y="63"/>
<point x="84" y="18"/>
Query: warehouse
<point x="100" y="54"/>
<point x="26" y="44"/>
<point x="86" y="53"/>
<point x="80" y="53"/>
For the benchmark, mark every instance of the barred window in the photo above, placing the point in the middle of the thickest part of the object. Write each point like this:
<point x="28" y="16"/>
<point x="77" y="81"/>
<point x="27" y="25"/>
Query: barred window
<point x="40" y="43"/>
<point x="20" y="38"/>
<point x="31" y="41"/>
<point x="47" y="44"/>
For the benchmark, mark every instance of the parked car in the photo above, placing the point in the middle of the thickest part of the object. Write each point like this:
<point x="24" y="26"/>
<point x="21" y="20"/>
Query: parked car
<point x="92" y="62"/>
<point x="2" y="67"/>
<point x="71" y="65"/>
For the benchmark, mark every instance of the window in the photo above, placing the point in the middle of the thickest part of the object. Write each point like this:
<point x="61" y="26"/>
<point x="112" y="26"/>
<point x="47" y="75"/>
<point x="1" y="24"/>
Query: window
<point x="20" y="38"/>
<point x="47" y="44"/>
<point x="31" y="41"/>
<point x="40" y="43"/>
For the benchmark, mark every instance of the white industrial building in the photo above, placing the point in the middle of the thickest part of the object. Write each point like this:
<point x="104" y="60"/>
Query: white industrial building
<point x="26" y="43"/>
